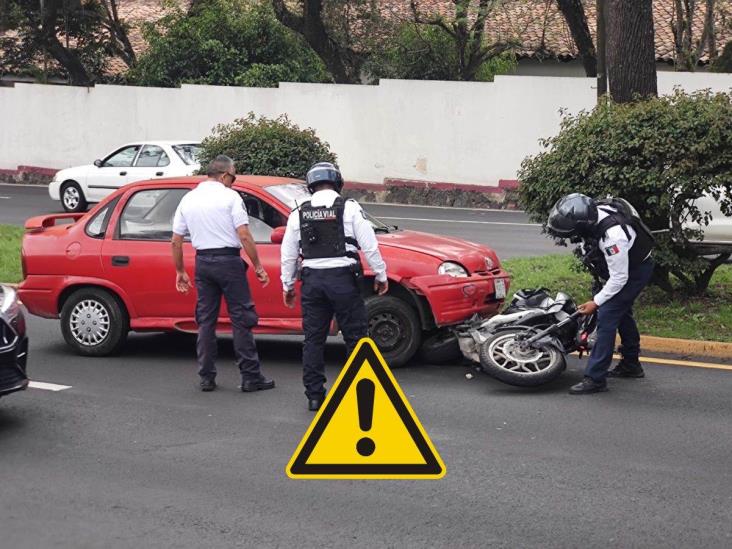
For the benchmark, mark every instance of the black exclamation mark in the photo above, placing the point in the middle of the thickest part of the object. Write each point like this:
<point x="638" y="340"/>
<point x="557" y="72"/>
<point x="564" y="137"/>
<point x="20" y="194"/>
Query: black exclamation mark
<point x="365" y="397"/>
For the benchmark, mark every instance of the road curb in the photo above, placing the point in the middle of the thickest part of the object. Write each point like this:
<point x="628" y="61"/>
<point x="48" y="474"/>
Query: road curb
<point x="711" y="349"/>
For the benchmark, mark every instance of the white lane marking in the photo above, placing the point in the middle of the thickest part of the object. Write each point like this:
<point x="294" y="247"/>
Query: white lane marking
<point x="48" y="386"/>
<point x="441" y="207"/>
<point x="459" y="221"/>
<point x="4" y="198"/>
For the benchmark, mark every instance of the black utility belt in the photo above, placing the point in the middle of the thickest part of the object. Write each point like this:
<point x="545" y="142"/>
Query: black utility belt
<point x="328" y="269"/>
<point x="219" y="251"/>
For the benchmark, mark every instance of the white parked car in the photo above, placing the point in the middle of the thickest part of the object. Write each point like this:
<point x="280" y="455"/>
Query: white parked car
<point x="718" y="233"/>
<point x="77" y="187"/>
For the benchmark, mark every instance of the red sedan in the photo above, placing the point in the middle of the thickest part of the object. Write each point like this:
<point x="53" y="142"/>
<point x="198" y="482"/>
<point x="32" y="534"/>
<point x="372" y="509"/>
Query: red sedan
<point x="111" y="271"/>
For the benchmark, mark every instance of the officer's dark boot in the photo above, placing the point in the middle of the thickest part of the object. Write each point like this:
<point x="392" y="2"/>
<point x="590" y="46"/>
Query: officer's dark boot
<point x="207" y="385"/>
<point x="259" y="384"/>
<point x="627" y="368"/>
<point x="314" y="403"/>
<point x="588" y="386"/>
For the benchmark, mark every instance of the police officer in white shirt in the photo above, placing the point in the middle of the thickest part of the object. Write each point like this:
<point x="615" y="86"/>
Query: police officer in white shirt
<point x="618" y="246"/>
<point x="327" y="232"/>
<point x="214" y="216"/>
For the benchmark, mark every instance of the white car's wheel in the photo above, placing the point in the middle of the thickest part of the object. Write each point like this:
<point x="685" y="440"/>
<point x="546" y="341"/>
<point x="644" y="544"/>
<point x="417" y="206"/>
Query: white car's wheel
<point x="72" y="197"/>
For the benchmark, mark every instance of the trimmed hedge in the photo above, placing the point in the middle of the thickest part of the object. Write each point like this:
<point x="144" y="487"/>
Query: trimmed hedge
<point x="264" y="146"/>
<point x="660" y="154"/>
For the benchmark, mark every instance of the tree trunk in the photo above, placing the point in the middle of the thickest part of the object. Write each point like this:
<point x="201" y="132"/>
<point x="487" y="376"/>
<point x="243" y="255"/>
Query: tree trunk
<point x="118" y="33"/>
<point x="342" y="63"/>
<point x="576" y="18"/>
<point x="631" y="52"/>
<point x="78" y="75"/>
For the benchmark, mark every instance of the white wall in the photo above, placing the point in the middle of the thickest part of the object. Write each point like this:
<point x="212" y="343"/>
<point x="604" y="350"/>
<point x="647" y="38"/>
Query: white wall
<point x="437" y="131"/>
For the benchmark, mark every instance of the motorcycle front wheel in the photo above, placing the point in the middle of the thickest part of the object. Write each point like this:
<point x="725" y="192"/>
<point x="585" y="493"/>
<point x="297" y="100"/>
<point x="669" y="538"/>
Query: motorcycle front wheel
<point x="502" y="358"/>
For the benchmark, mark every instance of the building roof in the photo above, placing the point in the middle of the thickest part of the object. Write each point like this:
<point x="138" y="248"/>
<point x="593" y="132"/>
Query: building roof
<point x="543" y="32"/>
<point x="537" y="24"/>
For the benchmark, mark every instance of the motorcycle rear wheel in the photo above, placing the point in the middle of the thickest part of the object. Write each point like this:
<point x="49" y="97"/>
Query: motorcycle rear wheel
<point x="502" y="359"/>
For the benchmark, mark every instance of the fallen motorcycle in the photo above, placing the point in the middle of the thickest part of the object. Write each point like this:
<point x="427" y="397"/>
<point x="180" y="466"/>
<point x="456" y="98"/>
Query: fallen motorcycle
<point x="528" y="343"/>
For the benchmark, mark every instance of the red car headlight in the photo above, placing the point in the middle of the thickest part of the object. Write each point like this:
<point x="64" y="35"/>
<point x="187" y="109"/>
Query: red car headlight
<point x="452" y="269"/>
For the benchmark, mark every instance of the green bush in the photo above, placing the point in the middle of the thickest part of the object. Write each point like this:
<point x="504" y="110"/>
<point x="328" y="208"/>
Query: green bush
<point x="424" y="52"/>
<point x="660" y="154"/>
<point x="226" y="43"/>
<point x="263" y="146"/>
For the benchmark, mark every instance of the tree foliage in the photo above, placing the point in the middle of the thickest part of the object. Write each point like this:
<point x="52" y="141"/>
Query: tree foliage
<point x="341" y="32"/>
<point x="224" y="42"/>
<point x="465" y="30"/>
<point x="660" y="154"/>
<point x="426" y="52"/>
<point x="72" y="39"/>
<point x="264" y="146"/>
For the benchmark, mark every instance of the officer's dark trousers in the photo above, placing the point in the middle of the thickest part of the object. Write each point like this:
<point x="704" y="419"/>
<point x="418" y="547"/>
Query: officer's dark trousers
<point x="227" y="275"/>
<point x="616" y="316"/>
<point x="326" y="292"/>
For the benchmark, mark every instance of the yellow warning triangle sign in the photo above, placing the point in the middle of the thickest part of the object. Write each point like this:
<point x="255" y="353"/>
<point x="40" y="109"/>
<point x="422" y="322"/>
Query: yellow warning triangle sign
<point x="366" y="428"/>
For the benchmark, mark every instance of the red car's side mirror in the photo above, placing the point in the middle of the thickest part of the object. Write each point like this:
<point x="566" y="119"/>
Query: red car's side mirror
<point x="278" y="233"/>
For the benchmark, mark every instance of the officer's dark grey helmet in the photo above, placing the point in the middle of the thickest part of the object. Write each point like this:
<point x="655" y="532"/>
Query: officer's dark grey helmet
<point x="324" y="172"/>
<point x="573" y="215"/>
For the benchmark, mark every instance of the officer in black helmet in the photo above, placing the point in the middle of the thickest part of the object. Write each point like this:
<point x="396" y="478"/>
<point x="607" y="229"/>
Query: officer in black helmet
<point x="327" y="232"/>
<point x="618" y="247"/>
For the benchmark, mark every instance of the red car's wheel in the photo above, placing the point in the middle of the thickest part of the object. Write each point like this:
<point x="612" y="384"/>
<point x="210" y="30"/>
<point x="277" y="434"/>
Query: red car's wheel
<point x="395" y="328"/>
<point x="93" y="322"/>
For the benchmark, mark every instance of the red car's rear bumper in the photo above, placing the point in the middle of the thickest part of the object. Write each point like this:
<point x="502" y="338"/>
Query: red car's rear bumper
<point x="454" y="299"/>
<point x="40" y="295"/>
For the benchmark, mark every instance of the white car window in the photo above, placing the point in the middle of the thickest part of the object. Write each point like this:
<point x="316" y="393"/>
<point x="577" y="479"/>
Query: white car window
<point x="122" y="158"/>
<point x="152" y="156"/>
<point x="188" y="153"/>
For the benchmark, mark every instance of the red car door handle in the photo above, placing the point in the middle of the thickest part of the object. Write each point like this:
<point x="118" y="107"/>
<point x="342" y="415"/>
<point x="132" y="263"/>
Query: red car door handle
<point x="120" y="261"/>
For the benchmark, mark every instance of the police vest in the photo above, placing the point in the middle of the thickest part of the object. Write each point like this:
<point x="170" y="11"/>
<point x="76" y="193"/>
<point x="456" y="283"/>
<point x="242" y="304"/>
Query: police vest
<point x="594" y="257"/>
<point x="322" y="234"/>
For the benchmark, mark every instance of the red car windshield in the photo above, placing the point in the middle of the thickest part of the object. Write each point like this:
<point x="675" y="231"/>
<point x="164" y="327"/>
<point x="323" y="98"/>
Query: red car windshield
<point x="294" y="194"/>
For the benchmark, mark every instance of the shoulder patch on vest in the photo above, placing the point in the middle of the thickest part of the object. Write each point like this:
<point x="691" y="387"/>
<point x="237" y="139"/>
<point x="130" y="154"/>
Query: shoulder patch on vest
<point x="612" y="250"/>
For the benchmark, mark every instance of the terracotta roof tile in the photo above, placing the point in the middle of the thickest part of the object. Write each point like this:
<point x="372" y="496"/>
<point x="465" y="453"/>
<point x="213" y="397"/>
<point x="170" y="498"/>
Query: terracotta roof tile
<point x="542" y="31"/>
<point x="537" y="24"/>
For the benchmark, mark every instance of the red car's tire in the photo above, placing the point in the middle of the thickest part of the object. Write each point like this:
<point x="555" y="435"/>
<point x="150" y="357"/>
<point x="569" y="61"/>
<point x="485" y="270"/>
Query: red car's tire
<point x="395" y="328"/>
<point x="94" y="322"/>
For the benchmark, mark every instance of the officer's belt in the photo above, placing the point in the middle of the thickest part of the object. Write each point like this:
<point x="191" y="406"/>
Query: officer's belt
<point x="219" y="251"/>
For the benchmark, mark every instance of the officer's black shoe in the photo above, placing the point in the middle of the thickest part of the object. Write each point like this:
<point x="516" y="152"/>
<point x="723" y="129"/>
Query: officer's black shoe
<point x="314" y="404"/>
<point x="208" y="385"/>
<point x="588" y="386"/>
<point x="627" y="369"/>
<point x="261" y="384"/>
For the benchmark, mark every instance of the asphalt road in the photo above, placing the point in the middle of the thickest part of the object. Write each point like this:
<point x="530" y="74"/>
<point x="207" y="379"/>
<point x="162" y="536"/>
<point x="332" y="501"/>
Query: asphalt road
<point x="132" y="455"/>
<point x="510" y="233"/>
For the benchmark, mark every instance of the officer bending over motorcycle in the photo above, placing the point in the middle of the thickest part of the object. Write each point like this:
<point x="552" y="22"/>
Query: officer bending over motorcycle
<point x="617" y="246"/>
<point x="327" y="231"/>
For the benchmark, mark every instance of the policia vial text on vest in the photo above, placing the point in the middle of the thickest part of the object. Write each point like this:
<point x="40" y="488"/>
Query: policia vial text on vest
<point x="327" y="232"/>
